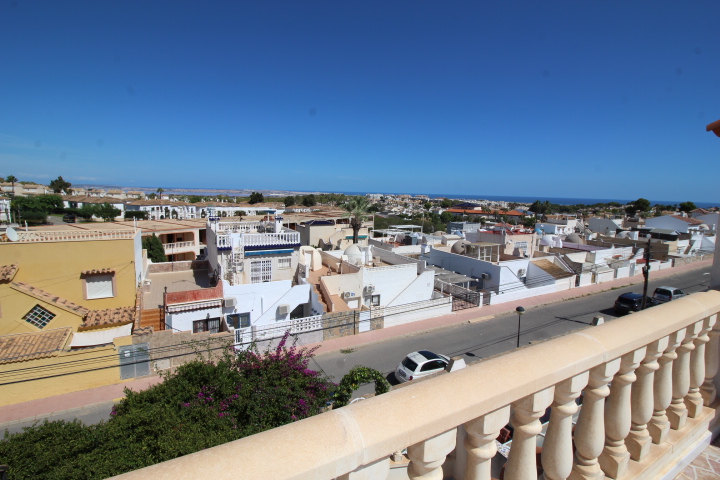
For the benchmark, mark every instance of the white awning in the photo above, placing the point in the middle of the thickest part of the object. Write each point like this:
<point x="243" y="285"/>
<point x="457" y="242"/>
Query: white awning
<point x="186" y="307"/>
<point x="99" y="337"/>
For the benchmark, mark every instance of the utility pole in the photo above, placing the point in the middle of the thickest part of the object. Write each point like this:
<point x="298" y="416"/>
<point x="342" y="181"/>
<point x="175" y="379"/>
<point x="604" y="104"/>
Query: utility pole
<point x="646" y="273"/>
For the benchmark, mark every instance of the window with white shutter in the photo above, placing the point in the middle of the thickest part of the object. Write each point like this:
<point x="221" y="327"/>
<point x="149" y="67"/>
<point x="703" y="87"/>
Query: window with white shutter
<point x="99" y="286"/>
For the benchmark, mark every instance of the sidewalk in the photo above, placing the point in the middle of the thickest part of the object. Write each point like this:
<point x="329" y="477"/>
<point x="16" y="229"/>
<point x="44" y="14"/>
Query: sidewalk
<point x="42" y="408"/>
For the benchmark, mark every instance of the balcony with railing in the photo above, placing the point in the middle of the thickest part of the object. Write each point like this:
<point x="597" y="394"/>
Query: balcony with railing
<point x="74" y="235"/>
<point x="649" y="404"/>
<point x="178" y="246"/>
<point x="264" y="241"/>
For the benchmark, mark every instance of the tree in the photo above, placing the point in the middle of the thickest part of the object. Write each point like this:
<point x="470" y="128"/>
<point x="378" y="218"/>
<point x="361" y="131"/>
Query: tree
<point x="59" y="186"/>
<point x="687" y="207"/>
<point x="289" y="201"/>
<point x="310" y="201"/>
<point x="87" y="211"/>
<point x="12" y="179"/>
<point x="256" y="197"/>
<point x="639" y="205"/>
<point x="155" y="249"/>
<point x="446" y="203"/>
<point x="357" y="210"/>
<point x="107" y="212"/>
<point x="160" y="192"/>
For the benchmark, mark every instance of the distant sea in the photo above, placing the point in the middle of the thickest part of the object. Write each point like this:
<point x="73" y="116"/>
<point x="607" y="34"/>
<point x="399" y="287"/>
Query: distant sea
<point x="556" y="200"/>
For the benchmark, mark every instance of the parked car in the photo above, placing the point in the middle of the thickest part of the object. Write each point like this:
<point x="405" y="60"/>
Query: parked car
<point x="666" y="294"/>
<point x="632" y="302"/>
<point x="69" y="218"/>
<point x="420" y="364"/>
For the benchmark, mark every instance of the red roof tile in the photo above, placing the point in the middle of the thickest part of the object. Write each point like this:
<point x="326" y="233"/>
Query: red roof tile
<point x="28" y="346"/>
<point x="7" y="272"/>
<point x="109" y="316"/>
<point x="50" y="298"/>
<point x="691" y="221"/>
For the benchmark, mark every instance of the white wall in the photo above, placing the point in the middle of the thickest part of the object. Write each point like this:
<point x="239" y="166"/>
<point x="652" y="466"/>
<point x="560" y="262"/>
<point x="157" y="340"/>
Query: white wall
<point x="262" y="299"/>
<point x="470" y="267"/>
<point x="420" y="289"/>
<point x="604" y="226"/>
<point x="183" y="321"/>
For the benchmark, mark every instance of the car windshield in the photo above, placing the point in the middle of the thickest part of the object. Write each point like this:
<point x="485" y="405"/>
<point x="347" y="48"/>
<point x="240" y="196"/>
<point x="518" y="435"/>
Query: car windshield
<point x="627" y="301"/>
<point x="662" y="291"/>
<point x="409" y="364"/>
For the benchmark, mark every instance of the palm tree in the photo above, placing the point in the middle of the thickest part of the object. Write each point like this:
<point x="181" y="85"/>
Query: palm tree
<point x="357" y="210"/>
<point x="12" y="179"/>
<point x="160" y="192"/>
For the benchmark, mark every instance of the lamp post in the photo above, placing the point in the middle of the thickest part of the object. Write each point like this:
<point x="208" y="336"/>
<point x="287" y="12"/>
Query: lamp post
<point x="519" y="311"/>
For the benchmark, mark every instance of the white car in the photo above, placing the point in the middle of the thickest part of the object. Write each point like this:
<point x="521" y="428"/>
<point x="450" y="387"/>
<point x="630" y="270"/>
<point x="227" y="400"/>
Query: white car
<point x="667" y="294"/>
<point x="420" y="364"/>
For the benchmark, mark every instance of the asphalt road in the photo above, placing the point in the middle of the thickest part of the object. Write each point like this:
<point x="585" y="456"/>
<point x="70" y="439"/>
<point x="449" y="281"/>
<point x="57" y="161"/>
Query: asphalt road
<point x="473" y="341"/>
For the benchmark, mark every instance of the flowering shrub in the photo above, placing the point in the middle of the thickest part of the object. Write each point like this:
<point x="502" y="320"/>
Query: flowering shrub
<point x="202" y="404"/>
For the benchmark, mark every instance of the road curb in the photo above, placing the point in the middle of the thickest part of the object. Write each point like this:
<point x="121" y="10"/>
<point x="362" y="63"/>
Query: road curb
<point x="41" y="417"/>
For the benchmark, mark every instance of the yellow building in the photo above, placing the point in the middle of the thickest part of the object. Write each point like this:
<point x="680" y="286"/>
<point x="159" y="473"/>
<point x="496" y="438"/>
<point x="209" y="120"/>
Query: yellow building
<point x="67" y="302"/>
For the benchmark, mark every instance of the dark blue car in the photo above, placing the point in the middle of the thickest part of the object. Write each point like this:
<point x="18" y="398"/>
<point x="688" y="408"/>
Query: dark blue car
<point x="632" y="302"/>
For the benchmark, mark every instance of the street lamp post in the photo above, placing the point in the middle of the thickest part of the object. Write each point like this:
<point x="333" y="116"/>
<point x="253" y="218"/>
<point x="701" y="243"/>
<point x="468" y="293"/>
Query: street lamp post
<point x="519" y="311"/>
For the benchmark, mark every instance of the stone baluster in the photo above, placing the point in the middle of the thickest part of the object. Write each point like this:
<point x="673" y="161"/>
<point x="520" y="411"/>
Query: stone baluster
<point x="615" y="457"/>
<point x="694" y="399"/>
<point x="377" y="470"/>
<point x="590" y="428"/>
<point x="480" y="443"/>
<point x="557" y="454"/>
<point x="712" y="362"/>
<point x="659" y="425"/>
<point x="639" y="440"/>
<point x="677" y="412"/>
<point x="427" y="457"/>
<point x="526" y="415"/>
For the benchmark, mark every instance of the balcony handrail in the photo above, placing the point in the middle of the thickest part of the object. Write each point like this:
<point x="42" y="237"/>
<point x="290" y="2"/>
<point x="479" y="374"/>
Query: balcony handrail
<point x="340" y="441"/>
<point x="257" y="239"/>
<point x="74" y="235"/>
<point x="172" y="246"/>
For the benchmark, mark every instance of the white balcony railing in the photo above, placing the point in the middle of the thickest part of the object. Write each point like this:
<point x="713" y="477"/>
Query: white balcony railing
<point x="177" y="246"/>
<point x="224" y="242"/>
<point x="649" y="401"/>
<point x="266" y="239"/>
<point x="74" y="235"/>
<point x="278" y="329"/>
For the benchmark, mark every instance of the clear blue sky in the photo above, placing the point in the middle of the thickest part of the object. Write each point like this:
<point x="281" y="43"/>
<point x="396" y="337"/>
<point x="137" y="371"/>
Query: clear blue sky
<point x="537" y="98"/>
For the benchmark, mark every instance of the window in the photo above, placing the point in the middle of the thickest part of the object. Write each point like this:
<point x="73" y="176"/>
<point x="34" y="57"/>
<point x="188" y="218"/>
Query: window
<point x="211" y="325"/>
<point x="238" y="320"/>
<point x="375" y="301"/>
<point x="38" y="316"/>
<point x="521" y="245"/>
<point x="260" y="271"/>
<point x="432" y="365"/>
<point x="285" y="262"/>
<point x="99" y="286"/>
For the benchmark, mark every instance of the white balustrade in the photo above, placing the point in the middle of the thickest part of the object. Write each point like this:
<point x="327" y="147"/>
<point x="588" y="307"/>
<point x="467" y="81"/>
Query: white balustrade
<point x="712" y="363"/>
<point x="178" y="245"/>
<point x="74" y="235"/>
<point x="655" y="357"/>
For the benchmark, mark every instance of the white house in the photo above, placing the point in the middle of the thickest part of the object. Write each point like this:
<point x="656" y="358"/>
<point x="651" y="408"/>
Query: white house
<point x="163" y="209"/>
<point x="604" y="226"/>
<point x="676" y="222"/>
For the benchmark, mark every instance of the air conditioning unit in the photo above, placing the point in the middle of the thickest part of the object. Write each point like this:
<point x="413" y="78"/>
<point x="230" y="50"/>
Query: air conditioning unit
<point x="283" y="309"/>
<point x="370" y="288"/>
<point x="348" y="294"/>
<point x="485" y="276"/>
<point x="229" y="302"/>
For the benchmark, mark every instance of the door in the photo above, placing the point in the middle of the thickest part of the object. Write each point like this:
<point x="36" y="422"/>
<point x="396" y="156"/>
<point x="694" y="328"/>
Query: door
<point x="134" y="361"/>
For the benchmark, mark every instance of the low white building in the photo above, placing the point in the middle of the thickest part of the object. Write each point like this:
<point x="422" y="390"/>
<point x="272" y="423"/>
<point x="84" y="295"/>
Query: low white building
<point x="676" y="222"/>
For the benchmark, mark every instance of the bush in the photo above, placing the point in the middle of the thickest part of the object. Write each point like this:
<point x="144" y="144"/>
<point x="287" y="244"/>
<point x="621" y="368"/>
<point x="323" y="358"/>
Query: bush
<point x="136" y="214"/>
<point x="202" y="404"/>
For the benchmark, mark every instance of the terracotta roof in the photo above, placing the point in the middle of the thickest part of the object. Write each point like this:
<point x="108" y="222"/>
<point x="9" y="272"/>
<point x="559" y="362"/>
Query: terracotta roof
<point x="143" y="330"/>
<point x="99" y="271"/>
<point x="109" y="316"/>
<point x="691" y="221"/>
<point x="552" y="269"/>
<point x="50" y="298"/>
<point x="28" y="346"/>
<point x="7" y="272"/>
<point x="188" y="296"/>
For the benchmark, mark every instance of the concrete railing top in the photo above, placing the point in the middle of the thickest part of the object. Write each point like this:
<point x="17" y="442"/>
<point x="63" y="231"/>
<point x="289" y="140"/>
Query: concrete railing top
<point x="341" y="440"/>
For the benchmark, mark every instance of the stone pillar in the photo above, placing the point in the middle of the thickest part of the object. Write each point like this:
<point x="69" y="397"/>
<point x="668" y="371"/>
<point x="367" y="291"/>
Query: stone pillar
<point x="677" y="412"/>
<point x="615" y="457"/>
<point x="659" y="425"/>
<point x="639" y="440"/>
<point x="557" y="454"/>
<point x="426" y="458"/>
<point x="590" y="428"/>
<point x="694" y="399"/>
<point x="526" y="415"/>
<point x="712" y="362"/>
<point x="377" y="470"/>
<point x="480" y="443"/>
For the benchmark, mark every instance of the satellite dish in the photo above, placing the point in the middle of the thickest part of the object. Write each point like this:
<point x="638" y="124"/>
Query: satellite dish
<point x="12" y="235"/>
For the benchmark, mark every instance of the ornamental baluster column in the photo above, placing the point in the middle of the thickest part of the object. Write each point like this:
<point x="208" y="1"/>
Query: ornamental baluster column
<point x="426" y="458"/>
<point x="677" y="412"/>
<point x="615" y="457"/>
<point x="694" y="399"/>
<point x="377" y="470"/>
<point x="659" y="425"/>
<point x="525" y="420"/>
<point x="712" y="361"/>
<point x="590" y="428"/>
<point x="639" y="440"/>
<point x="480" y="443"/>
<point x="557" y="454"/>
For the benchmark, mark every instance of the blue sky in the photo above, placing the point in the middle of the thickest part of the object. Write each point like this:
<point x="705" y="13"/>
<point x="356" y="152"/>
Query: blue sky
<point x="538" y="98"/>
